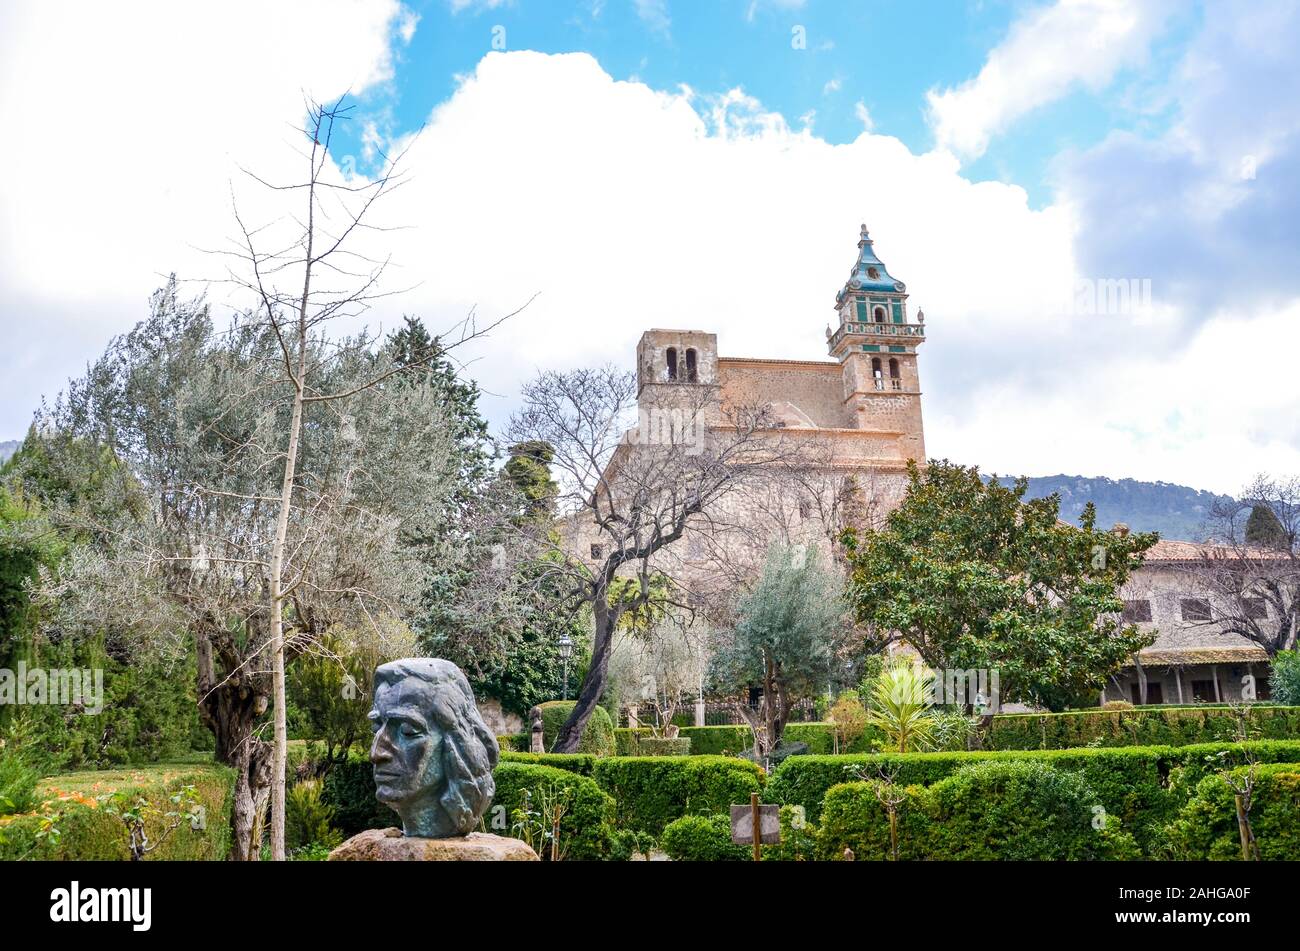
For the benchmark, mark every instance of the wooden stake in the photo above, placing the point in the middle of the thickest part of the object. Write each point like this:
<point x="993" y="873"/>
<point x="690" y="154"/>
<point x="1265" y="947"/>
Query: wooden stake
<point x="758" y="827"/>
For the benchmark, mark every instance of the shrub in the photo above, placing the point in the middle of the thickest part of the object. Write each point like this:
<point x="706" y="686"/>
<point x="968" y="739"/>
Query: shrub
<point x="1117" y="705"/>
<point x="1142" y="787"/>
<point x="1284" y="679"/>
<point x="597" y="738"/>
<point x="1206" y="828"/>
<point x="848" y="720"/>
<point x="651" y="792"/>
<point x="660" y="745"/>
<point x="18" y="778"/>
<point x="586" y="829"/>
<point x="854" y="817"/>
<point x="1008" y="810"/>
<point x="1014" y="810"/>
<point x="349" y="789"/>
<point x="1167" y="726"/>
<point x="702" y="839"/>
<point x="580" y="763"/>
<point x="76" y="827"/>
<point x="308" y="818"/>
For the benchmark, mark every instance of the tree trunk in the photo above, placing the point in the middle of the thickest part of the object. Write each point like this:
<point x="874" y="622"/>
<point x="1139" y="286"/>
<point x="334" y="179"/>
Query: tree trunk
<point x="230" y="709"/>
<point x="279" y="699"/>
<point x="593" y="685"/>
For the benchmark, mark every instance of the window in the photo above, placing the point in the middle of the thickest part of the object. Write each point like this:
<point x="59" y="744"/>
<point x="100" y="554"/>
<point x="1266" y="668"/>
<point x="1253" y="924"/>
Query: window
<point x="1203" y="690"/>
<point x="873" y="273"/>
<point x="1195" y="609"/>
<point x="1255" y="608"/>
<point x="672" y="363"/>
<point x="1136" y="611"/>
<point x="879" y="315"/>
<point x="877" y="374"/>
<point x="691" y="376"/>
<point x="597" y="552"/>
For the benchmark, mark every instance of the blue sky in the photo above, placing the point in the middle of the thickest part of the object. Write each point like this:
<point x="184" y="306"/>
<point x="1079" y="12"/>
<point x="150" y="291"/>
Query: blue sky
<point x="816" y="64"/>
<point x="665" y="163"/>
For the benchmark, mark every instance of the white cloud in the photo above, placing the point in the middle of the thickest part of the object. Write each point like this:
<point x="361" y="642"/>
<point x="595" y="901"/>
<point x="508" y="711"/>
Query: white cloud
<point x="1049" y="52"/>
<point x="832" y="85"/>
<point x="654" y="14"/>
<point x="627" y="208"/>
<point x="863" y="116"/>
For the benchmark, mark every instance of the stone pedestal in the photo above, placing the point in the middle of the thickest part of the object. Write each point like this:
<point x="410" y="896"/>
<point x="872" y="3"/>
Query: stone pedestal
<point x="389" y="845"/>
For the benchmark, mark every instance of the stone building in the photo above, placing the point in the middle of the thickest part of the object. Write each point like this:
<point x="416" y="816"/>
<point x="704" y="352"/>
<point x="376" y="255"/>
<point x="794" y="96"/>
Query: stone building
<point x="1196" y="656"/>
<point x="854" y="419"/>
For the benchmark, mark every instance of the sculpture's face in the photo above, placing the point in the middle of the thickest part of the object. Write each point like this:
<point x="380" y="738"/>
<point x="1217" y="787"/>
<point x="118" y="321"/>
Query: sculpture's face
<point x="407" y="749"/>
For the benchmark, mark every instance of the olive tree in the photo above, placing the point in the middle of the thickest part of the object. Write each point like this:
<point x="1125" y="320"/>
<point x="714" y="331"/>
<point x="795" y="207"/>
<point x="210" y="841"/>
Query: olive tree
<point x="199" y="543"/>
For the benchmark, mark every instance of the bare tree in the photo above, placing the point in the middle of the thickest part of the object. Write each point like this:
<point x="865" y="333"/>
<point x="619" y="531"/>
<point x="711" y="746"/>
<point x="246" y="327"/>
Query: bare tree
<point x="1251" y="578"/>
<point x="292" y="282"/>
<point x="629" y="492"/>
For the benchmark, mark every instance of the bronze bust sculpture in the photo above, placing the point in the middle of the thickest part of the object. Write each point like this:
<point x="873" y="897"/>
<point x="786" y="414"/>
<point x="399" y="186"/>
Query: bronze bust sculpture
<point x="432" y="754"/>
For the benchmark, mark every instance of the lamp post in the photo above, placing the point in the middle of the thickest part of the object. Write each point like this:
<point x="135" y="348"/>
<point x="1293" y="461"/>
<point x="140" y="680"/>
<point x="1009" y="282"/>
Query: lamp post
<point x="566" y="651"/>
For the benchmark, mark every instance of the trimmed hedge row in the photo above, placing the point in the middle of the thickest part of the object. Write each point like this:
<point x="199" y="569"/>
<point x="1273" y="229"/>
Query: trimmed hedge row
<point x="586" y="828"/>
<point x="1143" y="726"/>
<point x="702" y="839"/>
<point x="1142" y="786"/>
<point x="1017" y="809"/>
<point x="1206" y="828"/>
<point x="85" y="832"/>
<point x="1175" y="726"/>
<point x="650" y="792"/>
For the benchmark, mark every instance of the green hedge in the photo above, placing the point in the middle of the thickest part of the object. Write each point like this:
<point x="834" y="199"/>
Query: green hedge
<point x="1142" y="786"/>
<point x="650" y="792"/>
<point x="580" y="763"/>
<point x="597" y="738"/>
<point x="1169" y="726"/>
<point x="1142" y="726"/>
<point x="1206" y="828"/>
<point x="1004" y="810"/>
<point x="702" y="839"/>
<point x="586" y="828"/>
<point x="735" y="740"/>
<point x="87" y="833"/>
<point x="349" y="788"/>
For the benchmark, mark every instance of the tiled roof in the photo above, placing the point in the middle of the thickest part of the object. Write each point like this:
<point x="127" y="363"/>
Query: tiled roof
<point x="1243" y="654"/>
<point x="1167" y="550"/>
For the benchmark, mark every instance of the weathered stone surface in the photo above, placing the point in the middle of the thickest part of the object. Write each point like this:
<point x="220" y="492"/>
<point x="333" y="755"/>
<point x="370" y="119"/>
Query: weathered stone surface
<point x="390" y="845"/>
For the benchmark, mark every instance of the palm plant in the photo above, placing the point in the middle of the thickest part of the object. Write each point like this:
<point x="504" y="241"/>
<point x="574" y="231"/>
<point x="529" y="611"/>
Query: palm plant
<point x="900" y="706"/>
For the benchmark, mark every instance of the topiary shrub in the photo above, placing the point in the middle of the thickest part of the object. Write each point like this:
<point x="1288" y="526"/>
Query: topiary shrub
<point x="1013" y="810"/>
<point x="854" y="817"/>
<point x="1206" y="828"/>
<point x="652" y="791"/>
<point x="597" y="738"/>
<point x="580" y="763"/>
<point x="586" y="830"/>
<point x="660" y="746"/>
<point x="1117" y="705"/>
<point x="702" y="839"/>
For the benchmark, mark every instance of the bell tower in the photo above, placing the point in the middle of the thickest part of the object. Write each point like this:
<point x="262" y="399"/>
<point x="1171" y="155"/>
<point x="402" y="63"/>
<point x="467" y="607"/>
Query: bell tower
<point x="875" y="344"/>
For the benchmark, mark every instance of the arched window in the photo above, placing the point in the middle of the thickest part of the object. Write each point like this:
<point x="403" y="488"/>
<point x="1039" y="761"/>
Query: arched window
<point x="895" y="378"/>
<point x="691" y="375"/>
<point x="877" y="374"/>
<point x="672" y="363"/>
<point x="879" y="314"/>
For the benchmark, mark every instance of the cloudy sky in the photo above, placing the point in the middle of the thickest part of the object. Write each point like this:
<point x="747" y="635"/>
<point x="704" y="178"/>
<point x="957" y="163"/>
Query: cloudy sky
<point x="659" y="163"/>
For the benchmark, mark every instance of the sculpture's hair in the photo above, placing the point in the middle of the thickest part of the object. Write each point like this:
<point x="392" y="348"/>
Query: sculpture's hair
<point x="470" y="750"/>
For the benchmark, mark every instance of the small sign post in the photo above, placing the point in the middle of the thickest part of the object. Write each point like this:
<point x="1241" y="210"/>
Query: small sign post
<point x="756" y="824"/>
